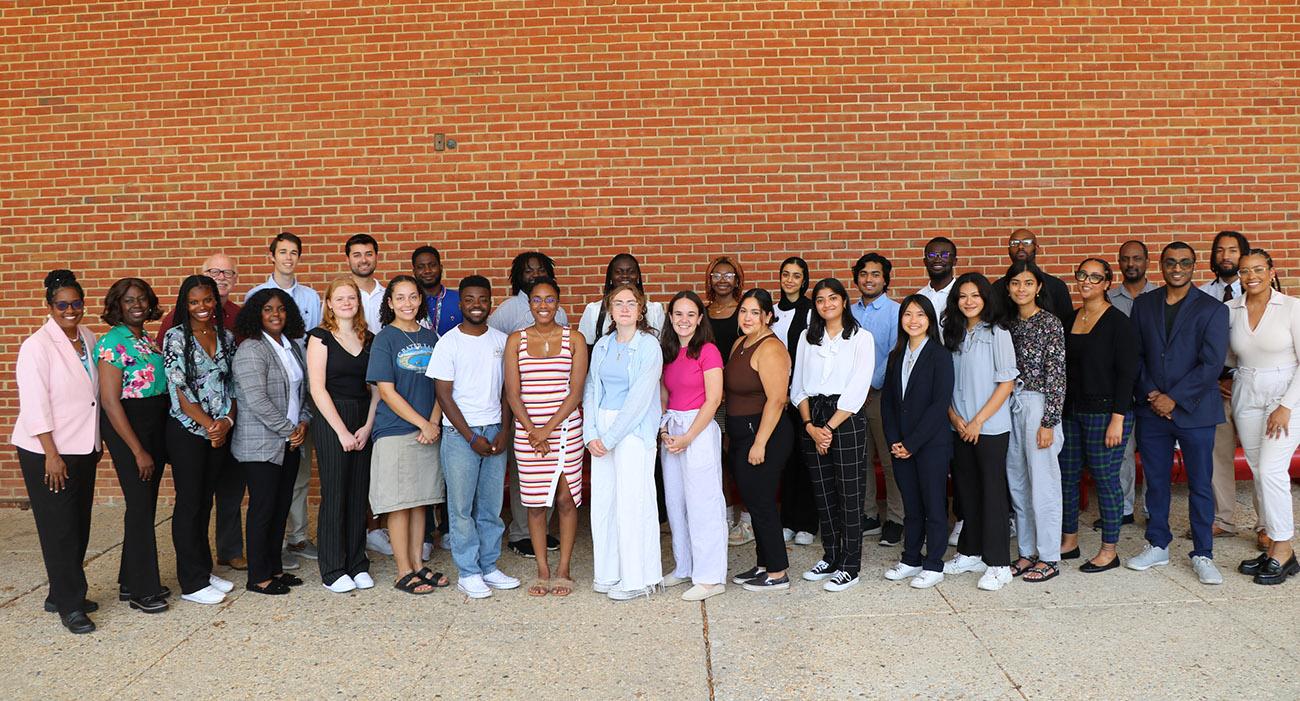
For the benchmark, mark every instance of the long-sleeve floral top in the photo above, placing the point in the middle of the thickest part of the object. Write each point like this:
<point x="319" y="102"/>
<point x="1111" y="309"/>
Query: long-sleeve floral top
<point x="1040" y="357"/>
<point x="213" y="379"/>
<point x="139" y="359"/>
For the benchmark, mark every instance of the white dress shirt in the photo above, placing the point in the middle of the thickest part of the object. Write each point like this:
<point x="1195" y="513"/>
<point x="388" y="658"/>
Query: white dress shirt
<point x="835" y="366"/>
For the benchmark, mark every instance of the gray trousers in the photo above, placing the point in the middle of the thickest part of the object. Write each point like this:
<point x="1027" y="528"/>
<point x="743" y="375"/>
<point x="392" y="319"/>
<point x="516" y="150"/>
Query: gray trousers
<point x="296" y="530"/>
<point x="1034" y="478"/>
<point x="1128" y="473"/>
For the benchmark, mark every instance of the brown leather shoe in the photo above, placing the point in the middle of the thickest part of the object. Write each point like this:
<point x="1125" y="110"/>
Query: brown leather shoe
<point x="234" y="563"/>
<point x="1215" y="532"/>
<point x="1262" y="541"/>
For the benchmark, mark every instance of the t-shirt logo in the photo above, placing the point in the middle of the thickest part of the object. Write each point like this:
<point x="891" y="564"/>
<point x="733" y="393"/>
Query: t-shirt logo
<point x="415" y="357"/>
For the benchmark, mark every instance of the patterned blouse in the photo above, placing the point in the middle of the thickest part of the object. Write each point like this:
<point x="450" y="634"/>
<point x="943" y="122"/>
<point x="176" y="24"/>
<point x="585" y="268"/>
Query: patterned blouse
<point x="1040" y="356"/>
<point x="139" y="359"/>
<point x="212" y="377"/>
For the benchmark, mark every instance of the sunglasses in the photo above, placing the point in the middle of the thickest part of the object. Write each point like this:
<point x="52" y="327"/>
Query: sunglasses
<point x="77" y="305"/>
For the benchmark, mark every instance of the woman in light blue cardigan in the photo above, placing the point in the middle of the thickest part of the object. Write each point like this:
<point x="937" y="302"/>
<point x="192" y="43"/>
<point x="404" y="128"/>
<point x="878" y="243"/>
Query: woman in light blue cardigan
<point x="623" y="410"/>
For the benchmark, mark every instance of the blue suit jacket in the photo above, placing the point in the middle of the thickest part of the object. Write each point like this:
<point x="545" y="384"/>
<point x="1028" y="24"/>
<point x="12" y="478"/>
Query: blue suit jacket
<point x="919" y="419"/>
<point x="1186" y="363"/>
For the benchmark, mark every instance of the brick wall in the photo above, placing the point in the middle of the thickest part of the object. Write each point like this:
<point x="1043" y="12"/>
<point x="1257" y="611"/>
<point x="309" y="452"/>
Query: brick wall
<point x="140" y="135"/>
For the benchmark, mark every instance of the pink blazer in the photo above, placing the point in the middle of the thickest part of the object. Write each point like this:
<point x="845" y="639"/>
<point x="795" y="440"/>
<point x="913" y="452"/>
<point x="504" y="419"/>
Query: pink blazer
<point x="56" y="394"/>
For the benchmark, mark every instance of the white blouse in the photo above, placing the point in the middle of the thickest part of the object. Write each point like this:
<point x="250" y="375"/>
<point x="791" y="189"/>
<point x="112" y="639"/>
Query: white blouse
<point x="836" y="366"/>
<point x="1275" y="342"/>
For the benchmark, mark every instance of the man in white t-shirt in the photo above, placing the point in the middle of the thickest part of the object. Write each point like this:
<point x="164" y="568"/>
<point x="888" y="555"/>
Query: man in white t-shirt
<point x="467" y="367"/>
<point x="363" y="258"/>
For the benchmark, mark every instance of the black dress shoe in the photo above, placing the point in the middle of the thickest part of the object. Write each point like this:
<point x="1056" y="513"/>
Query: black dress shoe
<point x="1070" y="554"/>
<point x="1090" y="568"/>
<point x="1274" y="573"/>
<point x="523" y="548"/>
<point x="124" y="595"/>
<point x="552" y="543"/>
<point x="87" y="606"/>
<point x="275" y="587"/>
<point x="78" y="622"/>
<point x="149" y="604"/>
<point x="1252" y="566"/>
<point x="288" y="580"/>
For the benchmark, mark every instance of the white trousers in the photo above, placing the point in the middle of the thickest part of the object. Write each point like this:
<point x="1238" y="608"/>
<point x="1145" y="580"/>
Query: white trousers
<point x="1034" y="478"/>
<point x="1255" y="394"/>
<point x="693" y="495"/>
<point x="624" y="513"/>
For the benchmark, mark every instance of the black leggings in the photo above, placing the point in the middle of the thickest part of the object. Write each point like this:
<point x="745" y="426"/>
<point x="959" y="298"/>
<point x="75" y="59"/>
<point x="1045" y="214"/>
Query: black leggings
<point x="759" y="483"/>
<point x="979" y="473"/>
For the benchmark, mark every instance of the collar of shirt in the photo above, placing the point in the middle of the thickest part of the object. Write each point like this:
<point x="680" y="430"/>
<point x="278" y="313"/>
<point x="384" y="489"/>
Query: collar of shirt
<point x="379" y="290"/>
<point x="270" y="282"/>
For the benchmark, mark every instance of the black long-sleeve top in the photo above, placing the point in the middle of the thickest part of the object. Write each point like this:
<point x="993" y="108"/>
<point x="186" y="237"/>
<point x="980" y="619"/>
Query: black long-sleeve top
<point x="1101" y="365"/>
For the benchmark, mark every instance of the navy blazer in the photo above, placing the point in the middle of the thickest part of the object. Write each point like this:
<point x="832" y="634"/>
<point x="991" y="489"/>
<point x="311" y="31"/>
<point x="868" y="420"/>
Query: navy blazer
<point x="1186" y="363"/>
<point x="920" y="418"/>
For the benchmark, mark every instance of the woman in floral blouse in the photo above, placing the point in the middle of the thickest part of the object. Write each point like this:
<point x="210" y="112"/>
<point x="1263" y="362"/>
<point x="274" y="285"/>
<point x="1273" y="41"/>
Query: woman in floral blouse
<point x="1033" y="472"/>
<point x="197" y="353"/>
<point x="133" y="396"/>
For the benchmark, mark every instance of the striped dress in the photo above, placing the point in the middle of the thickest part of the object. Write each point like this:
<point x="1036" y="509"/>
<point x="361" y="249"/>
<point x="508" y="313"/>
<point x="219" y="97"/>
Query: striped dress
<point x="543" y="386"/>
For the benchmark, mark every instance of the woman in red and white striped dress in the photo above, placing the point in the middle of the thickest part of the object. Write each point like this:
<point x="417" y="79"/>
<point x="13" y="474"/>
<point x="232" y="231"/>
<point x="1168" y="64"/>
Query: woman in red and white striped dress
<point x="546" y="367"/>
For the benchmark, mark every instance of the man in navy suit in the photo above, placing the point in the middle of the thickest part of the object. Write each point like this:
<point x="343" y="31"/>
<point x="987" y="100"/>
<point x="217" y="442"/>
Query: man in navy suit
<point x="1182" y="343"/>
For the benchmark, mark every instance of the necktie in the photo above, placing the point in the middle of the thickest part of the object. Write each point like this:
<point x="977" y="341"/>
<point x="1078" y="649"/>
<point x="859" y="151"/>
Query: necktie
<point x="1227" y="293"/>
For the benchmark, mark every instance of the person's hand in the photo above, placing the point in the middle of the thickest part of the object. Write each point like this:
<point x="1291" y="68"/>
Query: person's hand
<point x="299" y="435"/>
<point x="676" y="444"/>
<point x="1279" y="423"/>
<point x="1115" y="432"/>
<point x="56" y="473"/>
<point x="219" y="430"/>
<point x="597" y="449"/>
<point x="144" y="464"/>
<point x="348" y="442"/>
<point x="958" y="423"/>
<point x="482" y="446"/>
<point x="540" y="440"/>
<point x="971" y="431"/>
<point x="1163" y="405"/>
<point x="502" y="440"/>
<point x="362" y="436"/>
<point x="900" y="452"/>
<point x="1045" y="438"/>
<point x="757" y="453"/>
<point x="430" y="432"/>
<point x="1225" y="388"/>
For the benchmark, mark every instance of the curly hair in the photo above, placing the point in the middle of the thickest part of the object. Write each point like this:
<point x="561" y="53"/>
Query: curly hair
<point x="113" y="301"/>
<point x="386" y="313"/>
<point x="56" y="280"/>
<point x="248" y="323"/>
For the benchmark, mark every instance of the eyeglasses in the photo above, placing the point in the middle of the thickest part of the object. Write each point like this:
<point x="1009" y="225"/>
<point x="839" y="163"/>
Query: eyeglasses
<point x="1180" y="263"/>
<point x="941" y="255"/>
<point x="76" y="304"/>
<point x="722" y="276"/>
<point x="1085" y="276"/>
<point x="543" y="300"/>
<point x="218" y="272"/>
<point x="1020" y="243"/>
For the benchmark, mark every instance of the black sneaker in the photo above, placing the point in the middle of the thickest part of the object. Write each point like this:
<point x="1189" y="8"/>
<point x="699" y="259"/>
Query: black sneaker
<point x="552" y="543"/>
<point x="749" y="574"/>
<point x="766" y="583"/>
<point x="840" y="581"/>
<point x="871" y="526"/>
<point x="891" y="534"/>
<point x="523" y="548"/>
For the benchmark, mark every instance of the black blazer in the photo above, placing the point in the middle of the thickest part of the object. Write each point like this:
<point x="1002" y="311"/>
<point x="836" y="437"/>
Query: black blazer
<point x="921" y="418"/>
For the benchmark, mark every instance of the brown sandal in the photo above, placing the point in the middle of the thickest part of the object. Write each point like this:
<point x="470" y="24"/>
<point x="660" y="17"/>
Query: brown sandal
<point x="539" y="587"/>
<point x="561" y="586"/>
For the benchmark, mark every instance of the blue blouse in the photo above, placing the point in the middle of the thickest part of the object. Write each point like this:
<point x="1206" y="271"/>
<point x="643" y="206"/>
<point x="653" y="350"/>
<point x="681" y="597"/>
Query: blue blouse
<point x="986" y="358"/>
<point x="212" y="378"/>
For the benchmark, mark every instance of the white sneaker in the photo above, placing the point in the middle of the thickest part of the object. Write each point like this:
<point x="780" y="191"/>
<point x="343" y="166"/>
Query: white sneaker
<point x="342" y="585"/>
<point x="426" y="552"/>
<point x="955" y="535"/>
<point x="964" y="563"/>
<point x="225" y="586"/>
<point x="1151" y="556"/>
<point x="1205" y="570"/>
<point x="741" y="533"/>
<point x="363" y="581"/>
<point x="473" y="587"/>
<point x="673" y="580"/>
<point x="500" y="580"/>
<point x="1012" y="528"/>
<point x="787" y="535"/>
<point x="840" y="581"/>
<point x="700" y="592"/>
<point x="804" y="538"/>
<point x="206" y="595"/>
<point x="628" y="595"/>
<point x="821" y="570"/>
<point x="377" y="540"/>
<point x="926" y="579"/>
<point x="601" y="588"/>
<point x="995" y="578"/>
<point x="900" y="572"/>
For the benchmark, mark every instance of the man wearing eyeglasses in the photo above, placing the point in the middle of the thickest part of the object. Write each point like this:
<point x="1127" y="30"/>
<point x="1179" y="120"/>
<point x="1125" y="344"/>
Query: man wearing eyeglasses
<point x="940" y="259"/>
<point x="1182" y="342"/>
<point x="230" y="481"/>
<point x="1055" y="297"/>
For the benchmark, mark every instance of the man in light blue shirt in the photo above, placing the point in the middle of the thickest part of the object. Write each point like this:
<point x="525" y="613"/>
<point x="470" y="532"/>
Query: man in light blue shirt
<point x="878" y="314"/>
<point x="286" y="250"/>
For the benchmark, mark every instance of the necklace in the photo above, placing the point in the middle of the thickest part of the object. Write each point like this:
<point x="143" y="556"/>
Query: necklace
<point x="546" y="339"/>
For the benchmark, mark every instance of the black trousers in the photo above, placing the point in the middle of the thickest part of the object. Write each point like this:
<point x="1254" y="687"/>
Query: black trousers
<point x="344" y="495"/>
<point x="230" y="511"/>
<point x="837" y="488"/>
<point x="980" y="474"/>
<point x="270" y="491"/>
<point x="138" y="571"/>
<point x="759" y="484"/>
<point x="798" y="508"/>
<point x="62" y="523"/>
<point x="923" y="483"/>
<point x="195" y="467"/>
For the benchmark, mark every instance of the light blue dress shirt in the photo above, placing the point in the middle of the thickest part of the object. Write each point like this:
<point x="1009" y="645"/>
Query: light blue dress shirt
<point x="986" y="358"/>
<point x="305" y="297"/>
<point x="880" y="318"/>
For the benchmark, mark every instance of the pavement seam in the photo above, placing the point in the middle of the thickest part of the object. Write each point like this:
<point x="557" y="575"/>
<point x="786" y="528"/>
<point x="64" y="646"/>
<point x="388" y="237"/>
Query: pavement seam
<point x="220" y="609"/>
<point x="988" y="650"/>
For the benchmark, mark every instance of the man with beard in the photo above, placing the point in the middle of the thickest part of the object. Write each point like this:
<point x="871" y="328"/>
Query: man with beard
<point x="940" y="259"/>
<point x="443" y="302"/>
<point x="514" y="315"/>
<point x="1225" y="253"/>
<point x="878" y="315"/>
<point x="362" y="252"/>
<point x="1055" y="297"/>
<point x="1182" y="341"/>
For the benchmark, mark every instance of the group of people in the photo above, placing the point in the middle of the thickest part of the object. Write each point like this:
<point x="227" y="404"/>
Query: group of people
<point x="422" y="403"/>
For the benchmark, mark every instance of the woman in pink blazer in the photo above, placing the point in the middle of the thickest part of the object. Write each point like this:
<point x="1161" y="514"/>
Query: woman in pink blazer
<point x="57" y="437"/>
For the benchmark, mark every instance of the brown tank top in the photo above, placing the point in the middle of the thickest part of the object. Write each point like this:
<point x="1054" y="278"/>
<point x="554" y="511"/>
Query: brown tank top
<point x="743" y="387"/>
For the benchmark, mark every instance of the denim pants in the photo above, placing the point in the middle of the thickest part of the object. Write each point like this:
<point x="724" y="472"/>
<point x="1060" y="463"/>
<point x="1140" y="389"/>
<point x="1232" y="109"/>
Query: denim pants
<point x="474" y="487"/>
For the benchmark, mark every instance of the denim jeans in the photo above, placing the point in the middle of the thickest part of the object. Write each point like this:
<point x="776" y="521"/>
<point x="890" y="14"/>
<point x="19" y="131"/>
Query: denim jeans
<point x="474" y="487"/>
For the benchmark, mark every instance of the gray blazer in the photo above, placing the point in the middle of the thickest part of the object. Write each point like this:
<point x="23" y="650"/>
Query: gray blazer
<point x="262" y="395"/>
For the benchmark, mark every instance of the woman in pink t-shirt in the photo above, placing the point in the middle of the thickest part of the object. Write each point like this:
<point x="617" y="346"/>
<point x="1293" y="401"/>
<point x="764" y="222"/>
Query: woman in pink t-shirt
<point x="691" y="449"/>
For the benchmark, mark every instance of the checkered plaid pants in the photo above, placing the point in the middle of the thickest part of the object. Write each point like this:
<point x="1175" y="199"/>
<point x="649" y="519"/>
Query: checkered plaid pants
<point x="837" y="490"/>
<point x="1085" y="443"/>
